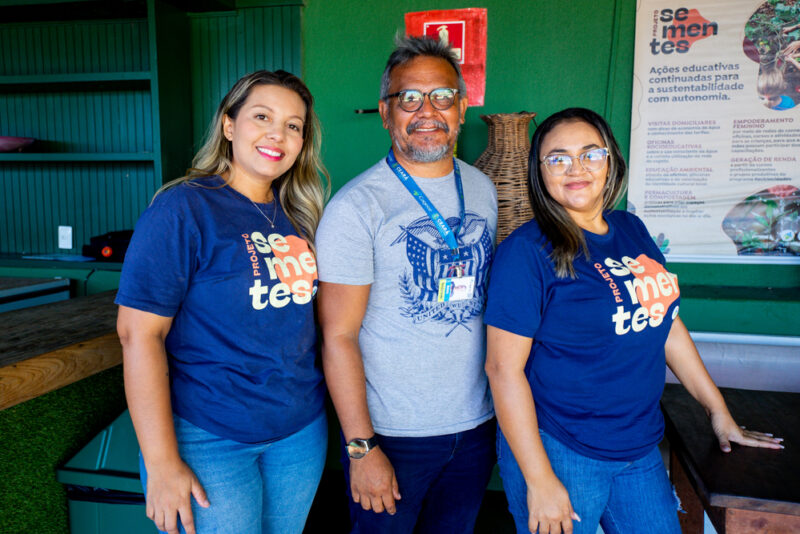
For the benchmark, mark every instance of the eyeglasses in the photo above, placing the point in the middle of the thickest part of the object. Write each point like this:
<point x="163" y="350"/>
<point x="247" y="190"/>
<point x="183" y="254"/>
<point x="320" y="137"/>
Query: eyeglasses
<point x="411" y="99"/>
<point x="561" y="164"/>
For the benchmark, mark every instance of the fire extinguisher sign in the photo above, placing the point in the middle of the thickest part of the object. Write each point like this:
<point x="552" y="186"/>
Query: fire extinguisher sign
<point x="449" y="32"/>
<point x="465" y="31"/>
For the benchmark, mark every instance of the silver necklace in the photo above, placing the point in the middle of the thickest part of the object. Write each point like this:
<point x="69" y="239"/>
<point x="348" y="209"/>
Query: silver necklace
<point x="274" y="213"/>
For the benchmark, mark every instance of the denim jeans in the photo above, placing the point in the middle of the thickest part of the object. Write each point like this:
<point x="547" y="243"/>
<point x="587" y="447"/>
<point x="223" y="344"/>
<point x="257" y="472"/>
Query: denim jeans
<point x="441" y="479"/>
<point x="253" y="488"/>
<point x="623" y="497"/>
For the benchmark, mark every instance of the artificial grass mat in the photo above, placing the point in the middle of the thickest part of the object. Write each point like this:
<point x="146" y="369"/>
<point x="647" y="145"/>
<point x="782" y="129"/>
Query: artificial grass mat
<point x="40" y="435"/>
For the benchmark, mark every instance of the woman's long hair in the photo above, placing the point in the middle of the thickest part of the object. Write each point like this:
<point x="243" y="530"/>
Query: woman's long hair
<point x="564" y="234"/>
<point x="300" y="191"/>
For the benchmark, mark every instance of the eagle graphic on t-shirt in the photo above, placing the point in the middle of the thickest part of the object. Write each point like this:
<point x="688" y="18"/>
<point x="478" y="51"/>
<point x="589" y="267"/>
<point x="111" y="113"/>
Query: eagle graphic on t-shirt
<point x="430" y="260"/>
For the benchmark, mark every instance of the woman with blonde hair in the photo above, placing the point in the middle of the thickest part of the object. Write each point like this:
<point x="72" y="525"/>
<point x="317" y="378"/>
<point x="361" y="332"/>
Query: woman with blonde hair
<point x="217" y="324"/>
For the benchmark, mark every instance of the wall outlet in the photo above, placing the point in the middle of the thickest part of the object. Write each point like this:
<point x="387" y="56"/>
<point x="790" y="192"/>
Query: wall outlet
<point x="64" y="237"/>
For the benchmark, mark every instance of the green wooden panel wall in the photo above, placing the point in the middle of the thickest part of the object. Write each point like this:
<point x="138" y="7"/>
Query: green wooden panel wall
<point x="52" y="88"/>
<point x="82" y="89"/>
<point x="73" y="47"/>
<point x="80" y="121"/>
<point x="228" y="45"/>
<point x="93" y="198"/>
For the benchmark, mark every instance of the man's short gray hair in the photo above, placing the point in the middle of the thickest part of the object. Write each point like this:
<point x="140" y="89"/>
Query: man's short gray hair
<point x="408" y="48"/>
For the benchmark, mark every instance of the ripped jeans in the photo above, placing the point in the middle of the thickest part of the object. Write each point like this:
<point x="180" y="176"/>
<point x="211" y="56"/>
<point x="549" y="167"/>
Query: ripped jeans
<point x="623" y="497"/>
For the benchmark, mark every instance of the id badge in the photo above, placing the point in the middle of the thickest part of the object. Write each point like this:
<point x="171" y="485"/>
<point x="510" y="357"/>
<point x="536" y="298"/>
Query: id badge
<point x="456" y="288"/>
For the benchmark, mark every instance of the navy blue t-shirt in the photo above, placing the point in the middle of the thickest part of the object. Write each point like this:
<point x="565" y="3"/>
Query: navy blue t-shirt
<point x="597" y="363"/>
<point x="242" y="346"/>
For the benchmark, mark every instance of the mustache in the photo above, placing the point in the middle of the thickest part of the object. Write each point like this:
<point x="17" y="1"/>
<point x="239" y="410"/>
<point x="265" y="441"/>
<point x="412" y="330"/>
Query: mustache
<point x="426" y="123"/>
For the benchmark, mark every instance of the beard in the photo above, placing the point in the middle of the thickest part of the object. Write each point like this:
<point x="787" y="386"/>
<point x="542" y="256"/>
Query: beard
<point x="424" y="153"/>
<point x="427" y="154"/>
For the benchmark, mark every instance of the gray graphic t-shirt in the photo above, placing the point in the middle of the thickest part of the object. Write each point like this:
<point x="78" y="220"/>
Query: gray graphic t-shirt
<point x="423" y="359"/>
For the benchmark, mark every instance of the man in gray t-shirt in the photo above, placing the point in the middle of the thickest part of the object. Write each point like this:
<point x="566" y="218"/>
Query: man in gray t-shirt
<point x="403" y="252"/>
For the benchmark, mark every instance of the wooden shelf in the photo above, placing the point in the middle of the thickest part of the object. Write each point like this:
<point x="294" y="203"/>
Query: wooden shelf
<point x="76" y="156"/>
<point x="76" y="78"/>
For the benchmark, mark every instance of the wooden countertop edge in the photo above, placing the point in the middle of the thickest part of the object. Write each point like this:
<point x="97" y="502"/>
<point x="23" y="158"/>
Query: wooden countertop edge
<point x="31" y="378"/>
<point x="755" y="505"/>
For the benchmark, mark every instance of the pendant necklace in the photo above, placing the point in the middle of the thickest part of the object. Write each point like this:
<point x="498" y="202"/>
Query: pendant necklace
<point x="274" y="213"/>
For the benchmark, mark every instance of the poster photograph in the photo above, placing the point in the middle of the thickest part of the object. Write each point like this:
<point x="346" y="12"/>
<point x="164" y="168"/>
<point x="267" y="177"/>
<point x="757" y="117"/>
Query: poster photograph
<point x="715" y="129"/>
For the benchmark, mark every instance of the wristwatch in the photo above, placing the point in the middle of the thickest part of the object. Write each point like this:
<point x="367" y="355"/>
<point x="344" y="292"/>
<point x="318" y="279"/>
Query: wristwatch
<point x="359" y="447"/>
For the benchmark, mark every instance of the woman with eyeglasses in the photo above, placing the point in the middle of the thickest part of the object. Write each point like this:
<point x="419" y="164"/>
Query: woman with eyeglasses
<point x="216" y="321"/>
<point x="582" y="317"/>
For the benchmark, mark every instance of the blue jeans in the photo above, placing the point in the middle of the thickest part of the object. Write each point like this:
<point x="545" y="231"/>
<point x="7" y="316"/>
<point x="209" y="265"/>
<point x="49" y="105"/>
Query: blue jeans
<point x="621" y="496"/>
<point x="442" y="480"/>
<point x="253" y="488"/>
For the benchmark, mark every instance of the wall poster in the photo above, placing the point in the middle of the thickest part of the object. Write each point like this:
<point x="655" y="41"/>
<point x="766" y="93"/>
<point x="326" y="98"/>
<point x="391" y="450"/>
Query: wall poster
<point x="715" y="129"/>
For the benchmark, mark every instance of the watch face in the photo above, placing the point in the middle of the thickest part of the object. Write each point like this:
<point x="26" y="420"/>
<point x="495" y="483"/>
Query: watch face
<point x="357" y="448"/>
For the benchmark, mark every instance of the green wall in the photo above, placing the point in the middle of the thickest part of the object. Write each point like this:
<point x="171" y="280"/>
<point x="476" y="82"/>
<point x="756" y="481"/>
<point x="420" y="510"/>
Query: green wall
<point x="229" y="44"/>
<point x="542" y="56"/>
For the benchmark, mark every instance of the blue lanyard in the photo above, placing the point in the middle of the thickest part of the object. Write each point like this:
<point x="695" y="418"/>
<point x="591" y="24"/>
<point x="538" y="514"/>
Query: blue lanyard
<point x="445" y="231"/>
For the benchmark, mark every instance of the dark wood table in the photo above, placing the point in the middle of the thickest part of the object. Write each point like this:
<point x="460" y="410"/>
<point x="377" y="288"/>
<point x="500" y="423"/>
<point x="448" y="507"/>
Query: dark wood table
<point x="47" y="347"/>
<point x="748" y="490"/>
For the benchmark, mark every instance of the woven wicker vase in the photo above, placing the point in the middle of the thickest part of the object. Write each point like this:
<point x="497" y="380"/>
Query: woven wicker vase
<point x="505" y="160"/>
